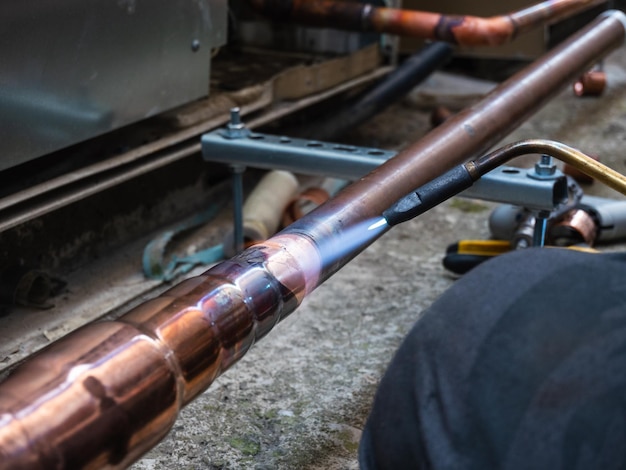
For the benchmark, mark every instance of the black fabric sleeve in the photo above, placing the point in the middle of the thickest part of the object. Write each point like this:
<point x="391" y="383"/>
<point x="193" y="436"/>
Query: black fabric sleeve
<point x="521" y="364"/>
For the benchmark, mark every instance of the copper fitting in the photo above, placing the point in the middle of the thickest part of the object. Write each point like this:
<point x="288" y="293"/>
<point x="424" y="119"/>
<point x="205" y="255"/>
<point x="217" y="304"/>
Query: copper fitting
<point x="461" y="30"/>
<point x="590" y="83"/>
<point x="303" y="203"/>
<point x="439" y="115"/>
<point x="575" y="227"/>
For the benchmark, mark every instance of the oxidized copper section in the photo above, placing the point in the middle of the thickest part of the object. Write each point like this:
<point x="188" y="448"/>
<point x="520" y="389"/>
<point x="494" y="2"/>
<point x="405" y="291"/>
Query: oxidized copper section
<point x="107" y="393"/>
<point x="462" y="30"/>
<point x="209" y="322"/>
<point x="591" y="83"/>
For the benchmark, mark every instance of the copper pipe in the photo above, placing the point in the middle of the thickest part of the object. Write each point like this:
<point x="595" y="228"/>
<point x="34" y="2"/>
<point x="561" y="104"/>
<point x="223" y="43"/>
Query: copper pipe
<point x="461" y="30"/>
<point x="591" y="83"/>
<point x="108" y="392"/>
<point x="439" y="115"/>
<point x="576" y="226"/>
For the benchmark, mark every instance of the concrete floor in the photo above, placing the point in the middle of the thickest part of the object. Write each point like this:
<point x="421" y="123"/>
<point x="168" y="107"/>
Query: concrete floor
<point x="299" y="399"/>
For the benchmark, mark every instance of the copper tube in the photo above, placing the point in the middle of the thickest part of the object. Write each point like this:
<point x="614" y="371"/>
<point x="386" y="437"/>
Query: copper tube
<point x="576" y="226"/>
<point x="591" y="83"/>
<point x="461" y="30"/>
<point x="439" y="115"/>
<point x="108" y="392"/>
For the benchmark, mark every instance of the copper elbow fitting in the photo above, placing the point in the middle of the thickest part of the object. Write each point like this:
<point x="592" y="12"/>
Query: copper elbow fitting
<point x="591" y="83"/>
<point x="576" y="227"/>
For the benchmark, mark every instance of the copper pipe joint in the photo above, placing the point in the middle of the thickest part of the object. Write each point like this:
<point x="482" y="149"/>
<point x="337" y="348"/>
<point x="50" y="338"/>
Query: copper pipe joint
<point x="97" y="397"/>
<point x="105" y="394"/>
<point x="591" y="83"/>
<point x="461" y="30"/>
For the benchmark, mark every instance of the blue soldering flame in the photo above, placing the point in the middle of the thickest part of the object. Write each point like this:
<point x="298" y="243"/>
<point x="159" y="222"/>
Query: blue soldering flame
<point x="351" y="240"/>
<point x="378" y="224"/>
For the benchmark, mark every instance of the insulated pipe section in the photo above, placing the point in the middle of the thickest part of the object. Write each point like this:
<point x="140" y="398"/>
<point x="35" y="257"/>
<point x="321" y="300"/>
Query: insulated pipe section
<point x="108" y="392"/>
<point x="461" y="30"/>
<point x="430" y="195"/>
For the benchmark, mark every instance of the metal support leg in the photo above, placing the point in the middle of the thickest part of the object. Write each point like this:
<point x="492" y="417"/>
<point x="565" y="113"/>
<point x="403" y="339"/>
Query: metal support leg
<point x="238" y="241"/>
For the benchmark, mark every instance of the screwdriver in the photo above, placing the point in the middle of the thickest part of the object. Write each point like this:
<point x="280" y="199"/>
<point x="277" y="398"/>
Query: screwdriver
<point x="466" y="254"/>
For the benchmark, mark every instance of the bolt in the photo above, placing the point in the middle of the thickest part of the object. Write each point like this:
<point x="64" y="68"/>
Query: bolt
<point x="544" y="169"/>
<point x="235" y="129"/>
<point x="235" y="118"/>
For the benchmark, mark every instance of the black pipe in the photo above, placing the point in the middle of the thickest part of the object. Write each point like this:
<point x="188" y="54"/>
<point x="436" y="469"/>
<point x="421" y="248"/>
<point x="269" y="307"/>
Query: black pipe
<point x="402" y="80"/>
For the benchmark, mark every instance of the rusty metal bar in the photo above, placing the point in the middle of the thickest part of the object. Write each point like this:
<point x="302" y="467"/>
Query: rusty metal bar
<point x="108" y="392"/>
<point x="461" y="30"/>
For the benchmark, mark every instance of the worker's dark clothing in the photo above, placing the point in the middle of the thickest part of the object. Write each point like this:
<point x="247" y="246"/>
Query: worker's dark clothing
<point x="520" y="365"/>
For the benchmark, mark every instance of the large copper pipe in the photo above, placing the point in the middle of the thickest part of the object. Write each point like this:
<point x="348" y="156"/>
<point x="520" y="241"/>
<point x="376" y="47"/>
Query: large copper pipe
<point x="108" y="392"/>
<point x="461" y="30"/>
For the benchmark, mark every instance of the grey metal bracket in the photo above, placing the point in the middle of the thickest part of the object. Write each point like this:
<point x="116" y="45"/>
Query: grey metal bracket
<point x="518" y="186"/>
<point x="541" y="190"/>
<point x="505" y="184"/>
<point x="312" y="157"/>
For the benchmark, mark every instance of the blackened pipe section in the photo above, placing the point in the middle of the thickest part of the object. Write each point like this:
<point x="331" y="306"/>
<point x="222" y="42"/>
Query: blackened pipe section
<point x="462" y="30"/>
<point x="108" y="392"/>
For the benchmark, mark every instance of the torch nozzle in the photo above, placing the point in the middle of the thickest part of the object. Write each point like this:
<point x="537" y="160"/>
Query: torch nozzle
<point x="428" y="196"/>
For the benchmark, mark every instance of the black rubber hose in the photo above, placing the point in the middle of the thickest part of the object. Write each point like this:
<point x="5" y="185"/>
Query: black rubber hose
<point x="398" y="83"/>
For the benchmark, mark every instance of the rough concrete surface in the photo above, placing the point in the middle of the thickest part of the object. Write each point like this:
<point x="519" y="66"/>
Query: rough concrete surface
<point x="299" y="398"/>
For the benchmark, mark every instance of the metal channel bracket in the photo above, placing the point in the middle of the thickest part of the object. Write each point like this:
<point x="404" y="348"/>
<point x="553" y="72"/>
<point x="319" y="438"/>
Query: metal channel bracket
<point x="265" y="151"/>
<point x="310" y="157"/>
